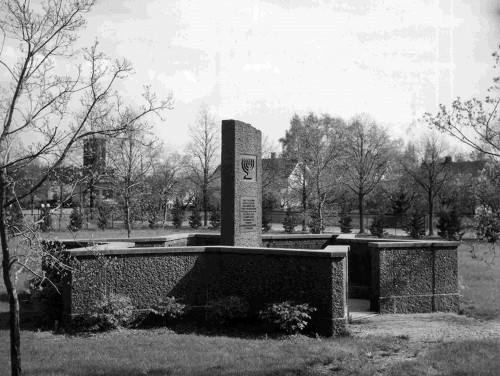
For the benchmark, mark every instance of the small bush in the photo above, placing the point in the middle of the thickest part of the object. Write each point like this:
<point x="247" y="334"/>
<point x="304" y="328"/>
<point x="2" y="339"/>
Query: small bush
<point x="215" y="219"/>
<point x="14" y="220"/>
<point x="195" y="218"/>
<point x="288" y="317"/>
<point x="48" y="299"/>
<point x="104" y="212"/>
<point x="45" y="220"/>
<point x="228" y="309"/>
<point x="315" y="226"/>
<point x="266" y="221"/>
<point x="487" y="226"/>
<point x="177" y="214"/>
<point x="289" y="222"/>
<point x="75" y="220"/>
<point x="415" y="225"/>
<point x="345" y="224"/>
<point x="169" y="308"/>
<point x="109" y="313"/>
<point x="449" y="225"/>
<point x="378" y="226"/>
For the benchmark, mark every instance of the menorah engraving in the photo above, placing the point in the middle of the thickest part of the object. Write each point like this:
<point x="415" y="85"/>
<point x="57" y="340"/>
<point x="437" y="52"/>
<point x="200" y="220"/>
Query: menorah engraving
<point x="248" y="164"/>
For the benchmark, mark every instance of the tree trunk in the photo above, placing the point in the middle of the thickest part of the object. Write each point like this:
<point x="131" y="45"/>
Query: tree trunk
<point x="361" y="214"/>
<point x="127" y="214"/>
<point x="165" y="210"/>
<point x="205" y="205"/>
<point x="15" y="334"/>
<point x="431" y="213"/>
<point x="320" y="216"/>
<point x="304" y="205"/>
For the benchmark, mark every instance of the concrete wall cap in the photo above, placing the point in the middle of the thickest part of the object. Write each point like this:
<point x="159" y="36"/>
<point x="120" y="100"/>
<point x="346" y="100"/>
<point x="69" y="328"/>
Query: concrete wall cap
<point x="296" y="236"/>
<point x="122" y="249"/>
<point x="414" y="244"/>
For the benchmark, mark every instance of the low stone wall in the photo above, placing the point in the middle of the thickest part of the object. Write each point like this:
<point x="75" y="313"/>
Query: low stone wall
<point x="414" y="277"/>
<point x="198" y="274"/>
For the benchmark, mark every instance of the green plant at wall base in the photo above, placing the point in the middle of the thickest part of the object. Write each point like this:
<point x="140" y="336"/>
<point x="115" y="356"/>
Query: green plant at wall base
<point x="449" y="225"/>
<point x="415" y="225"/>
<point x="289" y="222"/>
<point x="215" y="220"/>
<point x="169" y="308"/>
<point x="195" y="218"/>
<point x="75" y="220"/>
<point x="227" y="309"/>
<point x="110" y="312"/>
<point x="288" y="317"/>
<point x="378" y="226"/>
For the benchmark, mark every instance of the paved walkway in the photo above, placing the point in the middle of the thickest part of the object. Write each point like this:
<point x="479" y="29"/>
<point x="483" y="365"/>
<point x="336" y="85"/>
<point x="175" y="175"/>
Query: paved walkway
<point x="359" y="310"/>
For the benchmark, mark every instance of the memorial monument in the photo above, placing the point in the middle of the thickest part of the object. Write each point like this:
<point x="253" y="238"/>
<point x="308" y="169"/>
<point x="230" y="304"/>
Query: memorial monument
<point x="241" y="185"/>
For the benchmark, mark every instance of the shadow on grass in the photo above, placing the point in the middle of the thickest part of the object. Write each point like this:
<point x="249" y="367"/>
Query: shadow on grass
<point x="29" y="315"/>
<point x="216" y="370"/>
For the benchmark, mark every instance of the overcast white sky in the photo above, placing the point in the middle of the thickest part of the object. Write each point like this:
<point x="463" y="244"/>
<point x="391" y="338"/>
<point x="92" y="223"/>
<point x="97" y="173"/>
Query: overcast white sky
<point x="260" y="61"/>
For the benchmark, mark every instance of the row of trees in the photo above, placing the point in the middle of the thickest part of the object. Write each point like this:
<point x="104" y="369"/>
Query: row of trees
<point x="355" y="165"/>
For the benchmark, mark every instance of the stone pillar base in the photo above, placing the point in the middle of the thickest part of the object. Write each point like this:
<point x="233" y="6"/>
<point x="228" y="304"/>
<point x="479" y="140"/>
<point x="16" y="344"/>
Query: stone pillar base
<point x="415" y="303"/>
<point x="330" y="327"/>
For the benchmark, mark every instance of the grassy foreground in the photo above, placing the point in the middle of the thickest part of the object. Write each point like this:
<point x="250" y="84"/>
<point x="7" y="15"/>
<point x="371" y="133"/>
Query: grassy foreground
<point x="164" y="352"/>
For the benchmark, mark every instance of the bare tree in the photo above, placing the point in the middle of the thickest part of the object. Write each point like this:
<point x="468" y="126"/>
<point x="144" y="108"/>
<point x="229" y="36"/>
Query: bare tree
<point x="429" y="166"/>
<point x="473" y="122"/>
<point x="204" y="152"/>
<point x="36" y="107"/>
<point x="132" y="157"/>
<point x="368" y="152"/>
<point x="165" y="177"/>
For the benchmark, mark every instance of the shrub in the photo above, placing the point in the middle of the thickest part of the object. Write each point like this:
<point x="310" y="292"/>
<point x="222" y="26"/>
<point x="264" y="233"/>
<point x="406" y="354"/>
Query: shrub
<point x="75" y="220"/>
<point x="487" y="226"/>
<point x="169" y="308"/>
<point x="215" y="219"/>
<point x="315" y="226"/>
<point x="109" y="313"/>
<point x="288" y="317"/>
<point x="45" y="220"/>
<point x="266" y="221"/>
<point x="345" y="224"/>
<point x="104" y="212"/>
<point x="289" y="222"/>
<point x="378" y="226"/>
<point x="415" y="225"/>
<point x="227" y="309"/>
<point x="14" y="219"/>
<point x="195" y="218"/>
<point x="449" y="225"/>
<point x="177" y="214"/>
<point x="48" y="299"/>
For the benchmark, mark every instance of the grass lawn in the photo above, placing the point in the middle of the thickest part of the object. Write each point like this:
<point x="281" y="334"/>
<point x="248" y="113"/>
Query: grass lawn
<point x="165" y="352"/>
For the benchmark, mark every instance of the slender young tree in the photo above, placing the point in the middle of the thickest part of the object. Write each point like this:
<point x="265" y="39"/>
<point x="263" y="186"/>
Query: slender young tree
<point x="368" y="151"/>
<point x="204" y="150"/>
<point x="132" y="158"/>
<point x="50" y="109"/>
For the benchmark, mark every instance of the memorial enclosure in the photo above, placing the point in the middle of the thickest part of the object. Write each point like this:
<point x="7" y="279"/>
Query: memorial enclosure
<point x="321" y="270"/>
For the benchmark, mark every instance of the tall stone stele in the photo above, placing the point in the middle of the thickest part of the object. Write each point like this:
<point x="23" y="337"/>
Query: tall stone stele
<point x="241" y="185"/>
